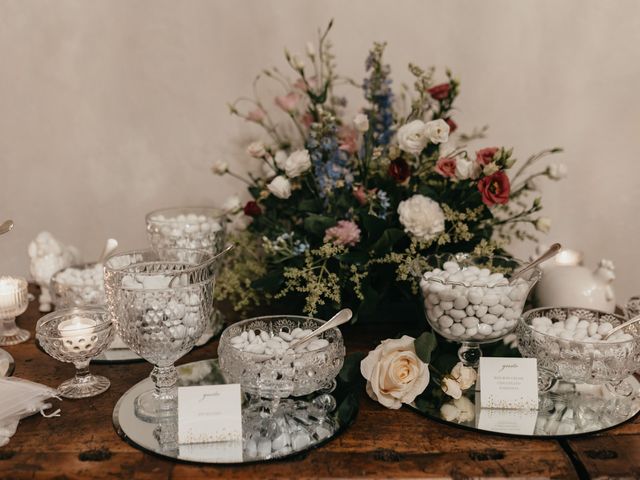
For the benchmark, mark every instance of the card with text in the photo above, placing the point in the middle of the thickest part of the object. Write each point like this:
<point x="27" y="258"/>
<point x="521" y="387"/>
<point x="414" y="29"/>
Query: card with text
<point x="520" y="422"/>
<point x="509" y="383"/>
<point x="209" y="413"/>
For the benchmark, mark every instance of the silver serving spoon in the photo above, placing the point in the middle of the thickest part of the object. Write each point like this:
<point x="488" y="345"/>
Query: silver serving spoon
<point x="550" y="253"/>
<point x="343" y="316"/>
<point x="108" y="249"/>
<point x="6" y="226"/>
<point x="622" y="326"/>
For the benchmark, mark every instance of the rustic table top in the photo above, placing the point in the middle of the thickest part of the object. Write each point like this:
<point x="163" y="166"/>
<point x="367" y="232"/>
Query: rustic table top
<point x="82" y="442"/>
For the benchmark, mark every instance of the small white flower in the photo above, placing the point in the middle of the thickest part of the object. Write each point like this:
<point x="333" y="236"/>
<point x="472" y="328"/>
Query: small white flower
<point x="311" y="50"/>
<point x="239" y="222"/>
<point x="460" y="410"/>
<point x="490" y="169"/>
<point x="421" y="217"/>
<point x="465" y="376"/>
<point x="268" y="171"/>
<point x="437" y="131"/>
<point x="412" y="137"/>
<point x="543" y="224"/>
<point x="297" y="63"/>
<point x="361" y="122"/>
<point x="297" y="163"/>
<point x="467" y="169"/>
<point x="557" y="171"/>
<point x="281" y="158"/>
<point x="256" y="149"/>
<point x="532" y="185"/>
<point x="280" y="187"/>
<point x="451" y="387"/>
<point x="220" y="168"/>
<point x="232" y="204"/>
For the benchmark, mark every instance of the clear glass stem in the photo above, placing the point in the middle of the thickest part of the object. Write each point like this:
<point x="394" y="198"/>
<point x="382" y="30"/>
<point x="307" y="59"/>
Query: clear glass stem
<point x="82" y="372"/>
<point x="469" y="354"/>
<point x="9" y="327"/>
<point x="165" y="392"/>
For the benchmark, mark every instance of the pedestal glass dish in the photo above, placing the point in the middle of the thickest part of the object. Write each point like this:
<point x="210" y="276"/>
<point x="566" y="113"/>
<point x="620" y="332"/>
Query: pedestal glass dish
<point x="77" y="345"/>
<point x="159" y="301"/>
<point x="13" y="302"/>
<point x="84" y="288"/>
<point x="471" y="313"/>
<point x="575" y="361"/>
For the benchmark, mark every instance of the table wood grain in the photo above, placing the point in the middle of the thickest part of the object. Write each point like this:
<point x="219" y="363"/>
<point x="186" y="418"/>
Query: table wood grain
<point x="82" y="442"/>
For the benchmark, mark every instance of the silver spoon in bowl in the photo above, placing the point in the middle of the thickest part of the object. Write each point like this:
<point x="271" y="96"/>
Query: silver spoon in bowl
<point x="550" y="253"/>
<point x="6" y="226"/>
<point x="343" y="316"/>
<point x="622" y="326"/>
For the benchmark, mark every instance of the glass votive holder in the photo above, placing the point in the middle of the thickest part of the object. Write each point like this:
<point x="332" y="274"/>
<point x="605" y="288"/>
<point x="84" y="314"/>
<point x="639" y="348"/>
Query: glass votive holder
<point x="76" y="335"/>
<point x="13" y="302"/>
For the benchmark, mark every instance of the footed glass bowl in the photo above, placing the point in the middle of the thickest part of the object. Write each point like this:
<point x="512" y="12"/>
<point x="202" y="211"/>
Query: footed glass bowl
<point x="276" y="376"/>
<point x="577" y="361"/>
<point x="187" y="227"/>
<point x="469" y="299"/>
<point x="78" y="285"/>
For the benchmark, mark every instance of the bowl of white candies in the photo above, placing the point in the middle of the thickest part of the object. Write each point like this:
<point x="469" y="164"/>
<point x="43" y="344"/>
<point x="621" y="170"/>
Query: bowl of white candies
<point x="572" y="345"/>
<point x="200" y="228"/>
<point x="471" y="299"/>
<point x="259" y="354"/>
<point x="78" y="285"/>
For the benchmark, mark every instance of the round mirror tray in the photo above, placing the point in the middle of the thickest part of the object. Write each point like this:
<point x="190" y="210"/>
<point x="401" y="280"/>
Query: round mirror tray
<point x="7" y="364"/>
<point x="296" y="424"/>
<point x="567" y="410"/>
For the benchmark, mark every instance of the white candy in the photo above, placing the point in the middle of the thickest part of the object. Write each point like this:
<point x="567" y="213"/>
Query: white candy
<point x="261" y="342"/>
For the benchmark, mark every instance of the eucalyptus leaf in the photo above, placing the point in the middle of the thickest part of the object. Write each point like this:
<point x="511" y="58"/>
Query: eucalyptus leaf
<point x="425" y="344"/>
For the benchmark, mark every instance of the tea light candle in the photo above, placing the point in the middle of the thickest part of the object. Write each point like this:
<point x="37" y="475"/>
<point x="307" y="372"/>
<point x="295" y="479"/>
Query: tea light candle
<point x="568" y="257"/>
<point x="74" y="332"/>
<point x="9" y="289"/>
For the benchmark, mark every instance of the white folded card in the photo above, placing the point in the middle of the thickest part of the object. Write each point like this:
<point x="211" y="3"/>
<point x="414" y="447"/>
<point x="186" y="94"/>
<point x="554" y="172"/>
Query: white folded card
<point x="508" y="383"/>
<point x="521" y="422"/>
<point x="209" y="413"/>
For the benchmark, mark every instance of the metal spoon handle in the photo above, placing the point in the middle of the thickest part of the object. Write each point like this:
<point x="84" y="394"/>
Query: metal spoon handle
<point x="551" y="252"/>
<point x="6" y="226"/>
<point x="343" y="316"/>
<point x="622" y="326"/>
<point x="108" y="249"/>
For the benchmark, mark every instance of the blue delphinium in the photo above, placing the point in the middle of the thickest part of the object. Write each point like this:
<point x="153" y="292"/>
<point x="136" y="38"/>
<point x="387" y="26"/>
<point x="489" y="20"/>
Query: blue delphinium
<point x="377" y="90"/>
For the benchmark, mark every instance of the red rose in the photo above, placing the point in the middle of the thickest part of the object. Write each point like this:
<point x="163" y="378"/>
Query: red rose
<point x="440" y="92"/>
<point x="453" y="126"/>
<point x="446" y="167"/>
<point x="495" y="189"/>
<point x="485" y="156"/>
<point x="399" y="170"/>
<point x="252" y="209"/>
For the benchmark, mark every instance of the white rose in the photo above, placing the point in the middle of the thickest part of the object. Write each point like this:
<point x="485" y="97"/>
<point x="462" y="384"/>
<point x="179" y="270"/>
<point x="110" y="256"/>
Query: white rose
<point x="437" y="131"/>
<point x="280" y="187"/>
<point x="281" y="158"/>
<point x="394" y="373"/>
<point x="232" y="204"/>
<point x="361" y="122"/>
<point x="449" y="412"/>
<point x="451" y="387"/>
<point x="256" y="149"/>
<point x="465" y="376"/>
<point x="467" y="169"/>
<point x="460" y="410"/>
<point x="557" y="171"/>
<point x="412" y="137"/>
<point x="490" y="169"/>
<point x="297" y="163"/>
<point x="220" y="167"/>
<point x="421" y="217"/>
<point x="543" y="224"/>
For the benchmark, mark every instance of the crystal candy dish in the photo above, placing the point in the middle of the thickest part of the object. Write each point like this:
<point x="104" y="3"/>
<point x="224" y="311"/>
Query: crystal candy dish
<point x="187" y="227"/>
<point x="577" y="361"/>
<point x="67" y="291"/>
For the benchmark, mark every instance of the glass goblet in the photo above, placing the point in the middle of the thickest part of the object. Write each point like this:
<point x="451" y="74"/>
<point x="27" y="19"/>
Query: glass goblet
<point x="13" y="302"/>
<point x="160" y="301"/>
<point x="76" y="335"/>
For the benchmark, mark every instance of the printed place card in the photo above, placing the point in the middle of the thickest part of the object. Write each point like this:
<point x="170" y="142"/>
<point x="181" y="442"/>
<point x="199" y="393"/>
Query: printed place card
<point x="521" y="422"/>
<point x="509" y="383"/>
<point x="209" y="413"/>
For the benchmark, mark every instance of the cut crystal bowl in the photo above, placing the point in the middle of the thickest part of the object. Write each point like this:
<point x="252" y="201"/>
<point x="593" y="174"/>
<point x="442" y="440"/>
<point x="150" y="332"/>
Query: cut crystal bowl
<point x="66" y="293"/>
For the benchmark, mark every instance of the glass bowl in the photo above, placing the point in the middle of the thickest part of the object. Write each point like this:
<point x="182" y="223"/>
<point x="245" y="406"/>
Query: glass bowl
<point x="578" y="361"/>
<point x="78" y="285"/>
<point x="14" y="300"/>
<point x="281" y="375"/>
<point x="473" y="310"/>
<point x="160" y="302"/>
<point x="187" y="227"/>
<point x="76" y="335"/>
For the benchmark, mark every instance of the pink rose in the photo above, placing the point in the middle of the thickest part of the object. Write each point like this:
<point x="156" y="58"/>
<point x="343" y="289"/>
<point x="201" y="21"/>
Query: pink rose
<point x="348" y="139"/>
<point x="485" y="156"/>
<point x="446" y="167"/>
<point x="288" y="102"/>
<point x="345" y="232"/>
<point x="256" y="115"/>
<point x="495" y="189"/>
<point x="439" y="92"/>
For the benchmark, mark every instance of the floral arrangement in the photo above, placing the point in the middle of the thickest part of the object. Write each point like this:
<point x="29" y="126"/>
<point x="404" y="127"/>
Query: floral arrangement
<point x="343" y="204"/>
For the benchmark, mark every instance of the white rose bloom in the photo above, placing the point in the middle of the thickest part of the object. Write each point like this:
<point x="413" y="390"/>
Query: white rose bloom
<point x="232" y="204"/>
<point x="467" y="169"/>
<point x="297" y="163"/>
<point x="267" y="171"/>
<point x="543" y="224"/>
<point x="281" y="158"/>
<point x="412" y="137"/>
<point x="449" y="412"/>
<point x="557" y="171"/>
<point x="466" y="408"/>
<point x="361" y="122"/>
<point x="394" y="373"/>
<point x="220" y="167"/>
<point x="437" y="131"/>
<point x="280" y="187"/>
<point x="421" y="217"/>
<point x="490" y="169"/>
<point x="451" y="387"/>
<point x="256" y="149"/>
<point x="465" y="376"/>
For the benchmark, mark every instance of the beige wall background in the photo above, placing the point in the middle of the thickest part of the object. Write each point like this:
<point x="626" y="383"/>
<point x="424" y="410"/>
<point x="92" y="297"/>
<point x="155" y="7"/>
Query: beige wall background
<point x="112" y="108"/>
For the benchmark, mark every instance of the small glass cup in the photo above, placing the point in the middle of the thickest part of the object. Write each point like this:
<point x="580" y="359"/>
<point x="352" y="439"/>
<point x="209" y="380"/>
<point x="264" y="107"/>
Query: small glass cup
<point x="13" y="302"/>
<point x="76" y="335"/>
<point x="84" y="288"/>
<point x="201" y="228"/>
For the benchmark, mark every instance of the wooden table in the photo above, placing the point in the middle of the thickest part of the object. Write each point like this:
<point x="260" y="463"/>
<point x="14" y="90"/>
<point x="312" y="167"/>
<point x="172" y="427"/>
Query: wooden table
<point x="385" y="443"/>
